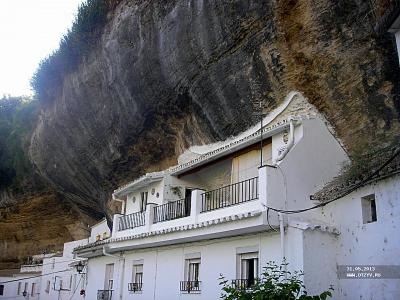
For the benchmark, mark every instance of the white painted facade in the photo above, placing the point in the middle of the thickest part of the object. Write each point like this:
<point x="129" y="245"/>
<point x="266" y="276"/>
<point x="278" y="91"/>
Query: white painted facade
<point x="300" y="156"/>
<point x="207" y="230"/>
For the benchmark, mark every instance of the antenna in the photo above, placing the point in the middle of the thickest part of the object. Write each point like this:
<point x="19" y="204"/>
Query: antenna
<point x="261" y="135"/>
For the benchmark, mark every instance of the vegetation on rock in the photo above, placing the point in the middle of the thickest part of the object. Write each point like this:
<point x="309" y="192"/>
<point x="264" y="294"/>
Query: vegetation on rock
<point x="17" y="118"/>
<point x="76" y="44"/>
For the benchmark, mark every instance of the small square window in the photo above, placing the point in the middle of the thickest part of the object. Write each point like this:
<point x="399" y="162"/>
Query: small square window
<point x="368" y="207"/>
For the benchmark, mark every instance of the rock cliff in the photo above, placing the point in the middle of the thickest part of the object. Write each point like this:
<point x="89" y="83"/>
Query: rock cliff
<point x="165" y="75"/>
<point x="169" y="74"/>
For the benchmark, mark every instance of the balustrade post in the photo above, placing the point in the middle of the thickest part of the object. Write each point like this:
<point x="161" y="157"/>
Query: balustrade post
<point x="149" y="216"/>
<point x="195" y="205"/>
<point x="115" y="224"/>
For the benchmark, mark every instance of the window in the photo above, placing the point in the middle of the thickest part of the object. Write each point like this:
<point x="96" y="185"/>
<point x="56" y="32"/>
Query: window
<point x="368" y="207"/>
<point x="19" y="288"/>
<point x="26" y="287"/>
<point x="137" y="277"/>
<point x="143" y="201"/>
<point x="98" y="237"/>
<point x="108" y="278"/>
<point x="247" y="270"/>
<point x="1" y="289"/>
<point x="192" y="273"/>
<point x="33" y="290"/>
<point x="47" y="290"/>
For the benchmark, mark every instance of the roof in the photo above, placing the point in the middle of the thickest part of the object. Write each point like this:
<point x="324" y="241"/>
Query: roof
<point x="364" y="169"/>
<point x="143" y="181"/>
<point x="274" y="122"/>
<point x="232" y="218"/>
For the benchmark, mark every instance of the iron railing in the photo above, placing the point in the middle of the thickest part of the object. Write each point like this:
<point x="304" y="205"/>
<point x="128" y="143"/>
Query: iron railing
<point x="172" y="210"/>
<point x="190" y="286"/>
<point x="243" y="283"/>
<point x="135" y="286"/>
<point x="104" y="294"/>
<point x="232" y="194"/>
<point x="131" y="221"/>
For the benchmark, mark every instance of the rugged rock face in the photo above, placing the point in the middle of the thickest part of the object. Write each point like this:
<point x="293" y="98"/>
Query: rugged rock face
<point x="40" y="224"/>
<point x="170" y="74"/>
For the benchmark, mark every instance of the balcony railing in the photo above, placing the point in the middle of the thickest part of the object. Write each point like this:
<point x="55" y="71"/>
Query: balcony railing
<point x="104" y="294"/>
<point x="190" y="286"/>
<point x="243" y="283"/>
<point x="172" y="210"/>
<point x="131" y="221"/>
<point x="135" y="286"/>
<point x="233" y="194"/>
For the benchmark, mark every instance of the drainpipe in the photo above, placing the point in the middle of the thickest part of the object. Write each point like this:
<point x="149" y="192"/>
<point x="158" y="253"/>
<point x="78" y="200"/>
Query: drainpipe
<point x="290" y="142"/>
<point x="282" y="233"/>
<point x="122" y="267"/>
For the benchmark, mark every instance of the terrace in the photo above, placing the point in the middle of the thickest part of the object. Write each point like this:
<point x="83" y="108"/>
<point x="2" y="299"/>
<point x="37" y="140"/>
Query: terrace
<point x="198" y="207"/>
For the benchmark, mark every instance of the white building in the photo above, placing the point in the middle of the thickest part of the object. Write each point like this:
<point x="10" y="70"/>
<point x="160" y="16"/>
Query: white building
<point x="183" y="227"/>
<point x="23" y="283"/>
<point x="52" y="276"/>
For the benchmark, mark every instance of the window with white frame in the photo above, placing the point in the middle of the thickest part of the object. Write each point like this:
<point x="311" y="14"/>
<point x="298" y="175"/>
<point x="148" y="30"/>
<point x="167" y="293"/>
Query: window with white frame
<point x="108" y="278"/>
<point x="19" y="288"/>
<point x="191" y="281"/>
<point x="47" y="290"/>
<point x="246" y="267"/>
<point x="368" y="207"/>
<point x="137" y="277"/>
<point x="1" y="289"/>
<point x="26" y="287"/>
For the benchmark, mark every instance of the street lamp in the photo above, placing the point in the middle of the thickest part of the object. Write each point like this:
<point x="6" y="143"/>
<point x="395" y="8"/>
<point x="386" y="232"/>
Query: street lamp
<point x="79" y="267"/>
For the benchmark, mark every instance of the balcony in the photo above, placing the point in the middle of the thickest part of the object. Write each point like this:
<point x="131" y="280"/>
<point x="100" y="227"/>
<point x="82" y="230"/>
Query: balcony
<point x="190" y="286"/>
<point x="229" y="195"/>
<point x="131" y="221"/>
<point x="241" y="284"/>
<point x="135" y="287"/>
<point x="238" y="201"/>
<point x="172" y="210"/>
<point x="104" y="294"/>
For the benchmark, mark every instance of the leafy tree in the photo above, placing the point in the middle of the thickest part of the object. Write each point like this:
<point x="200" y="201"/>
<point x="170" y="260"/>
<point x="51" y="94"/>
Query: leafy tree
<point x="274" y="284"/>
<point x="17" y="118"/>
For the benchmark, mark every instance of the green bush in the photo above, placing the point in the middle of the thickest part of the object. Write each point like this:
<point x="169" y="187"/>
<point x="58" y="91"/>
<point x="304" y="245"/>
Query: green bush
<point x="274" y="284"/>
<point x="76" y="44"/>
<point x="17" y="118"/>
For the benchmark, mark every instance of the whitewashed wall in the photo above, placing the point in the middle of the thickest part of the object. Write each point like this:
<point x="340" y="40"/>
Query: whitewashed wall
<point x="164" y="267"/>
<point x="99" y="229"/>
<point x="376" y="243"/>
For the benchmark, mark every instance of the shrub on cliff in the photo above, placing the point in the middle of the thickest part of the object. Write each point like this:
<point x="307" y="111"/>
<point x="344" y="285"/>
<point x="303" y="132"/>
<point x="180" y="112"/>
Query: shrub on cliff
<point x="74" y="46"/>
<point x="17" y="117"/>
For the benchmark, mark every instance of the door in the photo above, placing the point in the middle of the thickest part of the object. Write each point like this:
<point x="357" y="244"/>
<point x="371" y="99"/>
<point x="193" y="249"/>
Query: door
<point x="188" y="201"/>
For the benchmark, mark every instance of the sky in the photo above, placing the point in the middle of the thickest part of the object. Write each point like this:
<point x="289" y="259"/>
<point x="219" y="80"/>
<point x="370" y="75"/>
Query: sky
<point x="30" y="30"/>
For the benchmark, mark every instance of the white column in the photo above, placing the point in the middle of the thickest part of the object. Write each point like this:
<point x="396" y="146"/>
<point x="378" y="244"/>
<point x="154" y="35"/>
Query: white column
<point x="149" y="215"/>
<point x="262" y="186"/>
<point x="115" y="224"/>
<point x="195" y="205"/>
